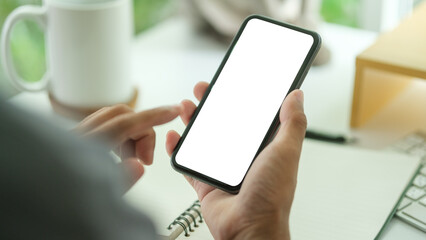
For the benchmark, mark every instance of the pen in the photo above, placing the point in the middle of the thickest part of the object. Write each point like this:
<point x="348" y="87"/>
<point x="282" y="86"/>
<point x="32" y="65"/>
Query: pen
<point x="326" y="137"/>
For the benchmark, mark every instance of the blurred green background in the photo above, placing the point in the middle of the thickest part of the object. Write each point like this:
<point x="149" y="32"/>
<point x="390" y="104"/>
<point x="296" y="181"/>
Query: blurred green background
<point x="343" y="12"/>
<point x="27" y="40"/>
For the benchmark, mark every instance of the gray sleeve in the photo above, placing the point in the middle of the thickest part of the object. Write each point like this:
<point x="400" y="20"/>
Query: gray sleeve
<point x="55" y="186"/>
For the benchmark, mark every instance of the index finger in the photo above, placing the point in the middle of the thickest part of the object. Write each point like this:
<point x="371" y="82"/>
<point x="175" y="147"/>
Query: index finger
<point x="134" y="125"/>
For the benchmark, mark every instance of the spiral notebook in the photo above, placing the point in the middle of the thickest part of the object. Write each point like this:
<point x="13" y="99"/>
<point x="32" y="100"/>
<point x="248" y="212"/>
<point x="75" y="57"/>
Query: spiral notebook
<point x="189" y="224"/>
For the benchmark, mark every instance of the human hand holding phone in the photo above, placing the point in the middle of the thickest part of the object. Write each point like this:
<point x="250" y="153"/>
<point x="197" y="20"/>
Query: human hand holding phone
<point x="238" y="115"/>
<point x="262" y="207"/>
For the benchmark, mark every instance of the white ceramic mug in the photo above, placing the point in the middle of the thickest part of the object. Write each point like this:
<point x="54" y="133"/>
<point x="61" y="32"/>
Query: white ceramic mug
<point x="88" y="50"/>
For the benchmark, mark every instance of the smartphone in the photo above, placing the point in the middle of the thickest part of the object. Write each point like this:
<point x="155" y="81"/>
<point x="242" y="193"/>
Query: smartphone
<point x="239" y="113"/>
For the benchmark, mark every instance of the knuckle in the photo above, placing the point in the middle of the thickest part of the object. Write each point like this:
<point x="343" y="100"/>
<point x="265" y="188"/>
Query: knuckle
<point x="290" y="153"/>
<point x="103" y="109"/>
<point x="122" y="123"/>
<point x="299" y="120"/>
<point x="121" y="108"/>
<point x="149" y="133"/>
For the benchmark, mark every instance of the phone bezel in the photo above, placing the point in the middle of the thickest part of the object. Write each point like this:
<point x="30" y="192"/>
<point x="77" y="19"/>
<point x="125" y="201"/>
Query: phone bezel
<point x="274" y="125"/>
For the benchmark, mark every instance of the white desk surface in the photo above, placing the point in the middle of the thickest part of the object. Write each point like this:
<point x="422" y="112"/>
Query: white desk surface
<point x="170" y="58"/>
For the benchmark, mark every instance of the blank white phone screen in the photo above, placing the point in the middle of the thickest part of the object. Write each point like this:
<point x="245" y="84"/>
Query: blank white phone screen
<point x="242" y="104"/>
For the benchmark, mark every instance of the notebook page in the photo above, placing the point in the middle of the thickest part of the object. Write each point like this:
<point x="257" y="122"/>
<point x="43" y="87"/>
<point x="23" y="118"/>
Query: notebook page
<point x="346" y="193"/>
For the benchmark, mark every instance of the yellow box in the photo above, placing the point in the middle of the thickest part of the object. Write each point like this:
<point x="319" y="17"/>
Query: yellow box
<point x="384" y="69"/>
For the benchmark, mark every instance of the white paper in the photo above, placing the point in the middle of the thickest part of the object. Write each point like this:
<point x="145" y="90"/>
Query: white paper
<point x="347" y="193"/>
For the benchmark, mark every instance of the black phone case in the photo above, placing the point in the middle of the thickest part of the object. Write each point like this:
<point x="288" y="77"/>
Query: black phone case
<point x="276" y="122"/>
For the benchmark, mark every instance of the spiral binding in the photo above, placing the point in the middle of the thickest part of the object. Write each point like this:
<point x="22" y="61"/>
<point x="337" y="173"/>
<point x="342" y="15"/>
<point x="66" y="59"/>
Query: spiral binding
<point x="185" y="222"/>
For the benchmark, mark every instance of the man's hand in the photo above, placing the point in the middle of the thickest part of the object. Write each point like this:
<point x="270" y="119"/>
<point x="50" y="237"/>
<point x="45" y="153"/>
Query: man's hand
<point x="262" y="207"/>
<point x="130" y="134"/>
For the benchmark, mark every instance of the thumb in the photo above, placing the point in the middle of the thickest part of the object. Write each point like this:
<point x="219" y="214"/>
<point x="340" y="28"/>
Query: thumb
<point x="280" y="159"/>
<point x="289" y="139"/>
<point x="293" y="120"/>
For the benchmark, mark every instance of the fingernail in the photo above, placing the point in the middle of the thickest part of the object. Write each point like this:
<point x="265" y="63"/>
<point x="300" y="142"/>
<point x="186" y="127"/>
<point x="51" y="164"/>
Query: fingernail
<point x="300" y="97"/>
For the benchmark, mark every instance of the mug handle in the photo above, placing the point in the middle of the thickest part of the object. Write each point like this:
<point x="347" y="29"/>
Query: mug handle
<point x="34" y="13"/>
